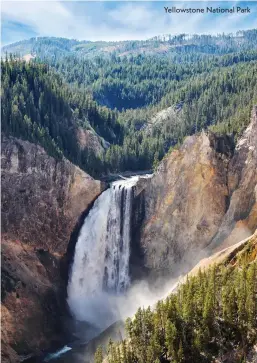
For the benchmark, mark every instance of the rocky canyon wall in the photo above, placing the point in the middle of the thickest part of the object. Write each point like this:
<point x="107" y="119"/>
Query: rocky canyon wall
<point x="42" y="200"/>
<point x="240" y="220"/>
<point x="202" y="198"/>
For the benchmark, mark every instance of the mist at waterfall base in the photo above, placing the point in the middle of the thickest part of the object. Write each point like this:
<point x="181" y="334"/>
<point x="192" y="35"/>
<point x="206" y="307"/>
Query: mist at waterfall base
<point x="99" y="289"/>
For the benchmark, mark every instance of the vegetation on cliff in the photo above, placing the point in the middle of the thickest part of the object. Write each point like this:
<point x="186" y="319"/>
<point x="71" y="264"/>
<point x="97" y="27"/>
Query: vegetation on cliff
<point x="211" y="316"/>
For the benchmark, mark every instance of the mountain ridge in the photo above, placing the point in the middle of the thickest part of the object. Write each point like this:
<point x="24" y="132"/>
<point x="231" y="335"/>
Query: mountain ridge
<point x="160" y="44"/>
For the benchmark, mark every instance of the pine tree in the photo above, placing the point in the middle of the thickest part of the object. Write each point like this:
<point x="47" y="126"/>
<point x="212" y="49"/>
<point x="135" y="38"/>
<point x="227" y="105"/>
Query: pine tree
<point x="99" y="355"/>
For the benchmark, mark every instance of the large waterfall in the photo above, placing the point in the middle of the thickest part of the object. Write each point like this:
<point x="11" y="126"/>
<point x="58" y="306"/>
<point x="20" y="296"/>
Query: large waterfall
<point x="100" y="269"/>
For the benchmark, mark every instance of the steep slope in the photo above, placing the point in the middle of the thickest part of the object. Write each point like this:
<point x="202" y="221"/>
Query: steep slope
<point x="39" y="107"/>
<point x="236" y="254"/>
<point x="202" y="194"/>
<point x="184" y="203"/>
<point x="241" y="217"/>
<point x="211" y="317"/>
<point x="42" y="199"/>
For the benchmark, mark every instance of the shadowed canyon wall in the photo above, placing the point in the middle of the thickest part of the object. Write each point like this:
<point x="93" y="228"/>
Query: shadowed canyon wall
<point x="42" y="200"/>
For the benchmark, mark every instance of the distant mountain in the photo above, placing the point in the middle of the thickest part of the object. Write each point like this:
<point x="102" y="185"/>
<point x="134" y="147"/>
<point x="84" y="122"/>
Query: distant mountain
<point x="167" y="45"/>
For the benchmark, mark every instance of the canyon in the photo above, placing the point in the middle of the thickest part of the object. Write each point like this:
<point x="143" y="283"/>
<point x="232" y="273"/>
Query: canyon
<point x="201" y="199"/>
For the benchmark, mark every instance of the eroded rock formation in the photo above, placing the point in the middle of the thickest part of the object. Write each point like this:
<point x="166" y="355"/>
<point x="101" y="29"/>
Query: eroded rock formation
<point x="240" y="219"/>
<point x="42" y="200"/>
<point x="202" y="197"/>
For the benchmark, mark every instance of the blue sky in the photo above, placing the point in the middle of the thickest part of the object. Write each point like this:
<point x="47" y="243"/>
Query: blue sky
<point x="119" y="20"/>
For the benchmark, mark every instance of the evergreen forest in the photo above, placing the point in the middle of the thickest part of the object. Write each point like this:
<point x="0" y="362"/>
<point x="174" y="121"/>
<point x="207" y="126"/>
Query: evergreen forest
<point x="137" y="101"/>
<point x="210" y="315"/>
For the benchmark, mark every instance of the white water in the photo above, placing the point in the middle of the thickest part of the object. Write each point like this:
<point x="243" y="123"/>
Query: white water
<point x="100" y="269"/>
<point x="57" y="354"/>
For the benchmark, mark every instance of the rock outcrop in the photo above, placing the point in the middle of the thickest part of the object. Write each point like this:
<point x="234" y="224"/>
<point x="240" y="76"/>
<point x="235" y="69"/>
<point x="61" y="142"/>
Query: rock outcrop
<point x="42" y="200"/>
<point x="90" y="139"/>
<point x="202" y="197"/>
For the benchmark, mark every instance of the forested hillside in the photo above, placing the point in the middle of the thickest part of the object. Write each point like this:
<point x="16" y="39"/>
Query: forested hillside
<point x="212" y="317"/>
<point x="118" y="89"/>
<point x="176" y="46"/>
<point x="38" y="106"/>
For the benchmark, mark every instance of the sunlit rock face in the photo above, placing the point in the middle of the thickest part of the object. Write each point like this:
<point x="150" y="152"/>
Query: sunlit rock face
<point x="240" y="220"/>
<point x="185" y="202"/>
<point x="202" y="197"/>
<point x="42" y="200"/>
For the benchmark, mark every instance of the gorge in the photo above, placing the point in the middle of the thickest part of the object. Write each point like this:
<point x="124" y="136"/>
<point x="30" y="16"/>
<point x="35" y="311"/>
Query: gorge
<point x="133" y="216"/>
<point x="89" y="239"/>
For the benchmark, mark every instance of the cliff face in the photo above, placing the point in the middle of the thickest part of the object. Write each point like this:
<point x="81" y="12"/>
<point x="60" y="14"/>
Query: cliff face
<point x="42" y="200"/>
<point x="240" y="219"/>
<point x="203" y="194"/>
<point x="202" y="198"/>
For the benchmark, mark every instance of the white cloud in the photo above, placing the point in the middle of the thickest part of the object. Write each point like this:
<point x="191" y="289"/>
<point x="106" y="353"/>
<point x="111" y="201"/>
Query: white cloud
<point x="134" y="16"/>
<point x="45" y="18"/>
<point x="59" y="19"/>
<point x="117" y="22"/>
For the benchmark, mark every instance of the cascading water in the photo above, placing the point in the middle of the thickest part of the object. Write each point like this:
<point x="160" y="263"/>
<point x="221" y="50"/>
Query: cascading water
<point x="100" y="268"/>
<point x="99" y="280"/>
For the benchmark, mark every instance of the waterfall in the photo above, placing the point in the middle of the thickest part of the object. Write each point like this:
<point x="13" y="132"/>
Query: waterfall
<point x="100" y="269"/>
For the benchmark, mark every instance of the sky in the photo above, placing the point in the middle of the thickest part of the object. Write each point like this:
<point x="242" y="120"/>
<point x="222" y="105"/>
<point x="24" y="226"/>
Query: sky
<point x="119" y="20"/>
